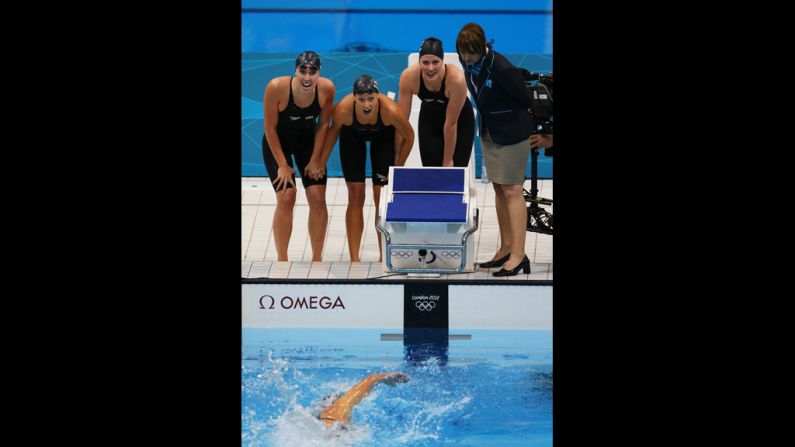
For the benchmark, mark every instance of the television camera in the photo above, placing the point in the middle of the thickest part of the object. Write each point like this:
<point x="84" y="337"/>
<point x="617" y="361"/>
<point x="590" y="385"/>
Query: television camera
<point x="539" y="88"/>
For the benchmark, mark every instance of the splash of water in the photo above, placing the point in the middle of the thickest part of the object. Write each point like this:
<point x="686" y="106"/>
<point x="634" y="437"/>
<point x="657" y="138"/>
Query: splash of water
<point x="299" y="427"/>
<point x="296" y="425"/>
<point x="412" y="414"/>
<point x="426" y="423"/>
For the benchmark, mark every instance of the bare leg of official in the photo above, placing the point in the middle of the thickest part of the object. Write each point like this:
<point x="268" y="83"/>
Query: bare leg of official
<point x="503" y="220"/>
<point x="517" y="213"/>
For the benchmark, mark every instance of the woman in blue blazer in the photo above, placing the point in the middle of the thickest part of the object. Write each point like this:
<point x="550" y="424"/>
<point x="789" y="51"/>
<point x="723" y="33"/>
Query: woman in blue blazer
<point x="505" y="125"/>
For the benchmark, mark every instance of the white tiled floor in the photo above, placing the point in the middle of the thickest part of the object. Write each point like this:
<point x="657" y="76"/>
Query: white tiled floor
<point x="258" y="253"/>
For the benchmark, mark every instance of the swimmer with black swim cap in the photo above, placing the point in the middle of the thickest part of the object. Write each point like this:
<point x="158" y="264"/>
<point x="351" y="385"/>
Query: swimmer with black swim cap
<point x="366" y="115"/>
<point x="308" y="58"/>
<point x="365" y="84"/>
<point x="433" y="46"/>
<point x="297" y="110"/>
<point x="362" y="86"/>
<point x="446" y="124"/>
<point x="307" y="63"/>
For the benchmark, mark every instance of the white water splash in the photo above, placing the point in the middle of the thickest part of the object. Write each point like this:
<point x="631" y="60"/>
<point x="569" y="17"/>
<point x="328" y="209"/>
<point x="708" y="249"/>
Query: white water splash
<point x="373" y="424"/>
<point x="275" y="376"/>
<point x="299" y="427"/>
<point x="427" y="422"/>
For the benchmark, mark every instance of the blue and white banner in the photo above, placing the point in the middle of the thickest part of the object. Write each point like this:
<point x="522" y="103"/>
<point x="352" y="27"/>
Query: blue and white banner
<point x="382" y="306"/>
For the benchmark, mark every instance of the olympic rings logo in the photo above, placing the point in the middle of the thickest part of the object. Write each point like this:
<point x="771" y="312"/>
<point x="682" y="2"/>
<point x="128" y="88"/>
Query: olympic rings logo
<point x="450" y="254"/>
<point x="425" y="305"/>
<point x="402" y="254"/>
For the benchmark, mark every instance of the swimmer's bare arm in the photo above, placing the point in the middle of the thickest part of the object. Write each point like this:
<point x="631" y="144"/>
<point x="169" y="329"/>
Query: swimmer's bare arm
<point x="274" y="91"/>
<point x="341" y="111"/>
<point x="392" y="117"/>
<point x="407" y="82"/>
<point x="458" y="95"/>
<point x="340" y="410"/>
<point x="315" y="168"/>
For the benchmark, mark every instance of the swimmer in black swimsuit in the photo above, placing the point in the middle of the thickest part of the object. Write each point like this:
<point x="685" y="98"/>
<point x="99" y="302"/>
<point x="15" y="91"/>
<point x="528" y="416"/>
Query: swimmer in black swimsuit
<point x="365" y="115"/>
<point x="340" y="410"/>
<point x="446" y="125"/>
<point x="297" y="112"/>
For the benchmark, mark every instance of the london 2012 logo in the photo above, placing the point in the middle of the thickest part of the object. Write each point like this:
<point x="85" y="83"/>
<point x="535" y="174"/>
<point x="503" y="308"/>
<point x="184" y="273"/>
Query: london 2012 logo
<point x="300" y="302"/>
<point x="425" y="303"/>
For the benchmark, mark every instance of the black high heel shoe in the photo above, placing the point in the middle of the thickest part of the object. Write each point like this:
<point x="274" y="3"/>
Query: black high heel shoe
<point x="524" y="266"/>
<point x="494" y="263"/>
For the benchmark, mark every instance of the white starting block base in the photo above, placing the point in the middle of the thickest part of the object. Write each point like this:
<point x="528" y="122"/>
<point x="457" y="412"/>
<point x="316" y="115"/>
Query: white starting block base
<point x="427" y="215"/>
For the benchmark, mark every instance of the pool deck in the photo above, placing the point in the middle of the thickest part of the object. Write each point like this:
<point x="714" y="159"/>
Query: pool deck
<point x="258" y="252"/>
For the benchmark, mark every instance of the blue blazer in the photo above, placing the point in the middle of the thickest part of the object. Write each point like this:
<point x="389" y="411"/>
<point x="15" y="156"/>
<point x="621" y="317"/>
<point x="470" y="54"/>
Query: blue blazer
<point x="501" y="97"/>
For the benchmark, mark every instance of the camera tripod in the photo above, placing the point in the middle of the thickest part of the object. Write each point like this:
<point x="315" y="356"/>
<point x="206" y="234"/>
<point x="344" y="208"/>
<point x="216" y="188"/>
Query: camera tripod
<point x="539" y="220"/>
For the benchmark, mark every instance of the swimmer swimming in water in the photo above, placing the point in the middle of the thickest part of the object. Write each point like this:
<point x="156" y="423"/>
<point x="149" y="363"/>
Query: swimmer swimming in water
<point x="340" y="410"/>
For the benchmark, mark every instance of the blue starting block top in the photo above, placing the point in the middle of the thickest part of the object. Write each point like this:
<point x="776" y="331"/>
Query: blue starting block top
<point x="426" y="207"/>
<point x="428" y="180"/>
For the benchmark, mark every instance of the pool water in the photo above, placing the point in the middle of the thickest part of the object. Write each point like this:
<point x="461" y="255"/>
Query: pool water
<point x="492" y="390"/>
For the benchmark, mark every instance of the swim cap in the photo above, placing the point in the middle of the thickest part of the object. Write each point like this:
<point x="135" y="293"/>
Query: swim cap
<point x="308" y="58"/>
<point x="432" y="46"/>
<point x="365" y="84"/>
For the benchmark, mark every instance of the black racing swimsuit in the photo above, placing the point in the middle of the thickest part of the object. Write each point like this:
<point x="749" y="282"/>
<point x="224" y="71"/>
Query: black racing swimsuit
<point x="353" y="149"/>
<point x="431" y="127"/>
<point x="296" y="130"/>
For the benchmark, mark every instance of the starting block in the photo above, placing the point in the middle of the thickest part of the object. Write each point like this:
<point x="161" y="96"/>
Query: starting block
<point x="426" y="215"/>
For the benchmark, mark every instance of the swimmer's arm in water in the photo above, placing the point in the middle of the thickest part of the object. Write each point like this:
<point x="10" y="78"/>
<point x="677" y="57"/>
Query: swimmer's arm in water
<point x="340" y="410"/>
